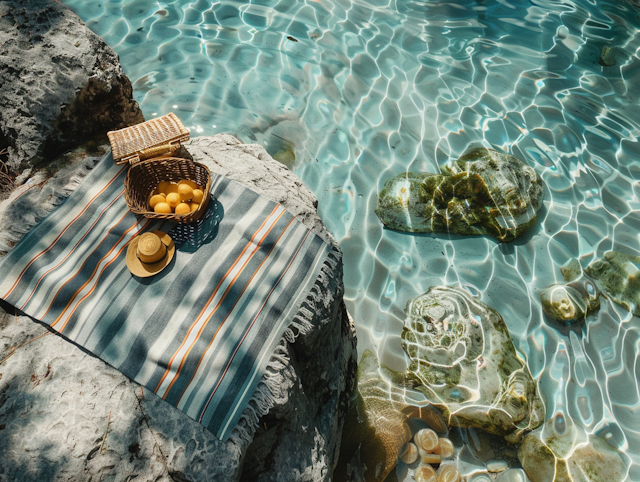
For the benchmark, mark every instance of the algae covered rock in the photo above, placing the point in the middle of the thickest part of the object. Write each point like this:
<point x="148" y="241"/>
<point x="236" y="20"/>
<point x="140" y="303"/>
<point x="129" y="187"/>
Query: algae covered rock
<point x="465" y="363"/>
<point x="619" y="277"/>
<point x="575" y="299"/>
<point x="485" y="192"/>
<point x="564" y="303"/>
<point x="561" y="451"/>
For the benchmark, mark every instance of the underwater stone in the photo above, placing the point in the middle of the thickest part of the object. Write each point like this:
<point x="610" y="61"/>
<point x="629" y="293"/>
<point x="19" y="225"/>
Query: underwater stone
<point x="564" y="303"/>
<point x="376" y="430"/>
<point x="484" y="192"/>
<point x="496" y="466"/>
<point x="619" y="277"/>
<point x="426" y="473"/>
<point x="464" y="361"/>
<point x="571" y="270"/>
<point x="512" y="475"/>
<point x="574" y="300"/>
<point x="409" y="454"/>
<point x="448" y="473"/>
<point x="607" y="57"/>
<point x="561" y="451"/>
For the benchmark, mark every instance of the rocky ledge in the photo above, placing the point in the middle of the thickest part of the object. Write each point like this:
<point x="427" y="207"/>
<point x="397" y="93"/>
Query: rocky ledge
<point x="57" y="401"/>
<point x="60" y="84"/>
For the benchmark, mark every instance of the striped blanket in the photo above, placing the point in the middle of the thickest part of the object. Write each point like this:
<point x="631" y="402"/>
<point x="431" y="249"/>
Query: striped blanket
<point x="199" y="334"/>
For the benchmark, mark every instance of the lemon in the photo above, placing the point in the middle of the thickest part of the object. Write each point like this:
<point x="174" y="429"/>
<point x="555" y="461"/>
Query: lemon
<point x="194" y="206"/>
<point x="173" y="199"/>
<point x="183" y="208"/>
<point x="162" y="186"/>
<point x="155" y="199"/>
<point x="172" y="187"/>
<point x="185" y="191"/>
<point x="163" y="208"/>
<point x="197" y="195"/>
<point x="189" y="183"/>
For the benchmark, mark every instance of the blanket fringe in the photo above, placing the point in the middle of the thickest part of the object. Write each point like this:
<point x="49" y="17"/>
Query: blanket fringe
<point x="24" y="211"/>
<point x="270" y="388"/>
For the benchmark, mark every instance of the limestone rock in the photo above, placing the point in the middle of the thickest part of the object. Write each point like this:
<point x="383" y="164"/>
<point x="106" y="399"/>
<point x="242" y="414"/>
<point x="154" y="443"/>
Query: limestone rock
<point x="561" y="451"/>
<point x="464" y="361"/>
<point x="55" y="398"/>
<point x="485" y="192"/>
<point x="60" y="84"/>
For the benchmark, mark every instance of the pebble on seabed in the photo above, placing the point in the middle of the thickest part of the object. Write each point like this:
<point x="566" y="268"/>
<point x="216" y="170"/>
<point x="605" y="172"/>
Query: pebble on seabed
<point x="497" y="466"/>
<point x="444" y="448"/>
<point x="409" y="453"/>
<point x="426" y="439"/>
<point x="432" y="459"/>
<point x="426" y="473"/>
<point x="512" y="475"/>
<point x="448" y="473"/>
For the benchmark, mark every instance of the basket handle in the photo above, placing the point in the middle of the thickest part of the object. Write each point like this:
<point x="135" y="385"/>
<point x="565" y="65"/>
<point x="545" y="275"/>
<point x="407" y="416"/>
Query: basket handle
<point x="157" y="151"/>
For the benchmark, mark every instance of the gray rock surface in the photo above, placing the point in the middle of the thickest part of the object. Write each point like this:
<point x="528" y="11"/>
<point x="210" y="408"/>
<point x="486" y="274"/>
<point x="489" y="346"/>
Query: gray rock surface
<point x="55" y="399"/>
<point x="60" y="84"/>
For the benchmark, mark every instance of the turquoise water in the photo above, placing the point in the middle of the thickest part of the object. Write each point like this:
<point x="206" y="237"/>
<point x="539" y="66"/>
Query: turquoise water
<point x="359" y="91"/>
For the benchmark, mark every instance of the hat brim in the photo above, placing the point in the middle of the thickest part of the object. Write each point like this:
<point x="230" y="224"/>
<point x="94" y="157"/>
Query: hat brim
<point x="144" y="270"/>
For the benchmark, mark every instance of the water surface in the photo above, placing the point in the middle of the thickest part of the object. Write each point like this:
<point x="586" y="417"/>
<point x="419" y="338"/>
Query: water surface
<point x="350" y="93"/>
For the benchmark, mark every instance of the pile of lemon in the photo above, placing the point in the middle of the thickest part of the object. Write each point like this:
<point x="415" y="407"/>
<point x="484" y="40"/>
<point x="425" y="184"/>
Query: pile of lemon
<point x="182" y="197"/>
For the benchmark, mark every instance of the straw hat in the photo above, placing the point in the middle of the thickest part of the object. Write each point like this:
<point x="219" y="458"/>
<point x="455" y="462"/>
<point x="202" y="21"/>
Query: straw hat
<point x="150" y="253"/>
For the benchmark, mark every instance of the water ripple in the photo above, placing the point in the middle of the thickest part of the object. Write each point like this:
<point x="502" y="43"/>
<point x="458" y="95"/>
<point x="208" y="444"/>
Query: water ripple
<point x="362" y="90"/>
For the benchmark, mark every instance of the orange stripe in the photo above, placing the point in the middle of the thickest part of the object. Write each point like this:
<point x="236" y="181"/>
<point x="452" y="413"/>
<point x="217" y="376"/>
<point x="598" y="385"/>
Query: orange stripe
<point x="60" y="235"/>
<point x="234" y="305"/>
<point x="213" y="296"/>
<point x="102" y="271"/>
<point x="224" y="295"/>
<point x="248" y="329"/>
<point x="72" y="250"/>
<point x="80" y="271"/>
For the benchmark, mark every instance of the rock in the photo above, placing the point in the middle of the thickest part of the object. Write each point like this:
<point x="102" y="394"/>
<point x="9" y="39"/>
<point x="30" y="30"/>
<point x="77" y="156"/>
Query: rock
<point x="60" y="84"/>
<point x="619" y="277"/>
<point x="496" y="466"/>
<point x="55" y="398"/>
<point x="607" y="56"/>
<point x="463" y="360"/>
<point x="564" y="303"/>
<point x="573" y="301"/>
<point x="485" y="192"/>
<point x="562" y="451"/>
<point x="376" y="428"/>
<point x="512" y="475"/>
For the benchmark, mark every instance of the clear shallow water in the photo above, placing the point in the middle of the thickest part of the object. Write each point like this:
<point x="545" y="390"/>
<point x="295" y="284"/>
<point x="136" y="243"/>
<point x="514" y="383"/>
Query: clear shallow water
<point x="361" y="91"/>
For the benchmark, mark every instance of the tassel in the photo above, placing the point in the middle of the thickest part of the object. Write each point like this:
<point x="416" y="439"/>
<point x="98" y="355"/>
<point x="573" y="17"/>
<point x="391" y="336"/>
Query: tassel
<point x="271" y="387"/>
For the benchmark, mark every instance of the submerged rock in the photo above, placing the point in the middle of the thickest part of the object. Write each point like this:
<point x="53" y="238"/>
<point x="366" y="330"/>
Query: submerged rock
<point x="573" y="301"/>
<point x="485" y="192"/>
<point x="619" y="277"/>
<point x="568" y="303"/>
<point x="376" y="431"/>
<point x="465" y="363"/>
<point x="561" y="451"/>
<point x="607" y="57"/>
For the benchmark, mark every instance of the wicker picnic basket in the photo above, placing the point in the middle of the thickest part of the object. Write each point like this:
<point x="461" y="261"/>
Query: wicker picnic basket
<point x="143" y="177"/>
<point x="151" y="139"/>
